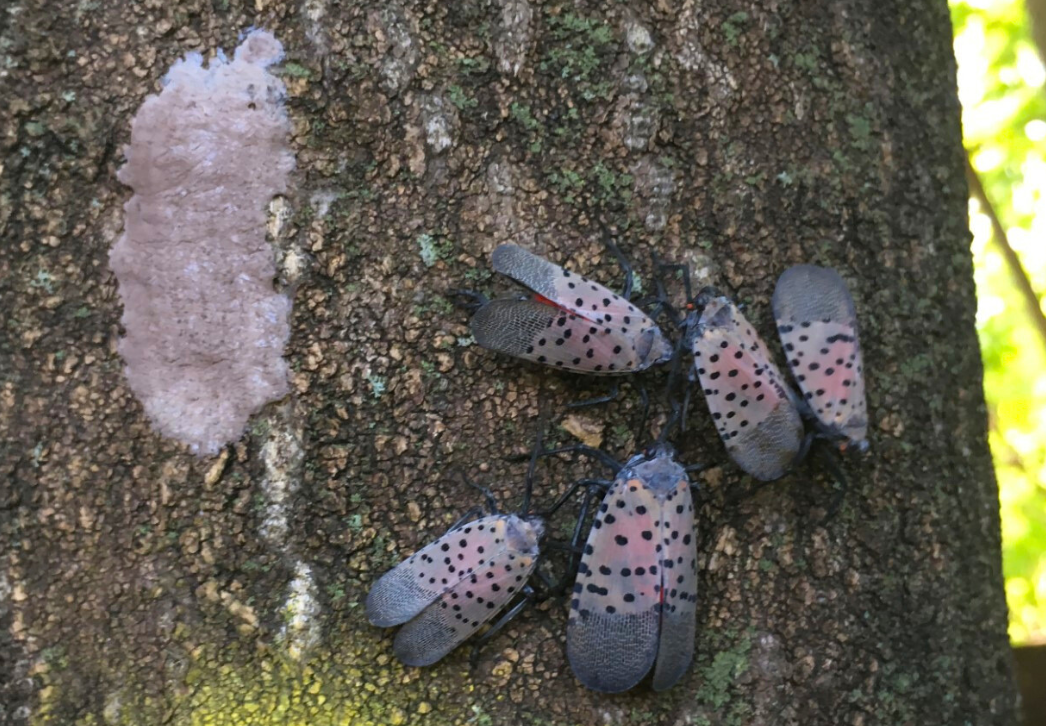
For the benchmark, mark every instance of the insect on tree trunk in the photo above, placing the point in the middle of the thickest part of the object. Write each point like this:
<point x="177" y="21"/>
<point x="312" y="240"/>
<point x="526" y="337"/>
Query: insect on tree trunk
<point x="140" y="584"/>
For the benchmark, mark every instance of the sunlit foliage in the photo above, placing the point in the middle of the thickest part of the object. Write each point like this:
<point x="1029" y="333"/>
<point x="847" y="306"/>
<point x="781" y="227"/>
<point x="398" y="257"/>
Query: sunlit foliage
<point x="1001" y="86"/>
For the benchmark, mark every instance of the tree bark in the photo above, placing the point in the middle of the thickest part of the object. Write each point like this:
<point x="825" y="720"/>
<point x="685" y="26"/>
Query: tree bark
<point x="1037" y="15"/>
<point x="141" y="585"/>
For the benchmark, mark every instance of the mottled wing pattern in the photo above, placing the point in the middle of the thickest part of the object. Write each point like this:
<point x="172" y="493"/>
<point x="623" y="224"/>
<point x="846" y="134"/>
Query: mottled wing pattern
<point x="412" y="585"/>
<point x="675" y="649"/>
<point x="752" y="408"/>
<point x="563" y="287"/>
<point x="818" y="326"/>
<point x="463" y="609"/>
<point x="612" y="632"/>
<point x="587" y="299"/>
<point x="528" y="269"/>
<point x="541" y="332"/>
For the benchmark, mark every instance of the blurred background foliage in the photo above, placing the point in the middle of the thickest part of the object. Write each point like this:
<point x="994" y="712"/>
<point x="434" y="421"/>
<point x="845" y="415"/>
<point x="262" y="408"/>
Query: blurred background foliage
<point x="1002" y="86"/>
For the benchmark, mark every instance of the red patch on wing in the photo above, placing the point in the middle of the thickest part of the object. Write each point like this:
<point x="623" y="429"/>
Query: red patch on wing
<point x="552" y="303"/>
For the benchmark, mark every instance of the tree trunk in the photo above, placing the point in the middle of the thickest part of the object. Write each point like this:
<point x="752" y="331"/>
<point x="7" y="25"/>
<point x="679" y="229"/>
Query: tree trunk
<point x="1037" y="15"/>
<point x="142" y="585"/>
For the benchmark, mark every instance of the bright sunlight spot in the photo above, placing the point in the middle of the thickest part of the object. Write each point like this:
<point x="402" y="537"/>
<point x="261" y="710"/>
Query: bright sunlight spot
<point x="1002" y="86"/>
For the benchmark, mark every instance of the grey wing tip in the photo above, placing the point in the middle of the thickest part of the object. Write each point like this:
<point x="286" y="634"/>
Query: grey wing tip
<point x="507" y="325"/>
<point x="488" y="323"/>
<point x="809" y="291"/>
<point x="414" y="657"/>
<point x="379" y="622"/>
<point x="662" y="682"/>
<point x="605" y="665"/>
<point x="768" y="451"/>
<point x="807" y="269"/>
<point x="801" y="279"/>
<point x="374" y="611"/>
<point x="760" y="472"/>
<point x="597" y="681"/>
<point x="757" y="465"/>
<point x="374" y="616"/>
<point x="480" y="322"/>
<point x="675" y="656"/>
<point x="507" y="256"/>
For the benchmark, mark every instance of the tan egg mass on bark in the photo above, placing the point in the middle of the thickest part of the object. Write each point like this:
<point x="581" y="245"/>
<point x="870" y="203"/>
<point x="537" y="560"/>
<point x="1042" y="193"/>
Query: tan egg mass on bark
<point x="205" y="328"/>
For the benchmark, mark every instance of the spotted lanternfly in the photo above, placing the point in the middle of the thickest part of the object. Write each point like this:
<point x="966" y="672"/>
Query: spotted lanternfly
<point x="753" y="408"/>
<point x="569" y="322"/>
<point x="634" y="602"/>
<point x="818" y="326"/>
<point x="447" y="590"/>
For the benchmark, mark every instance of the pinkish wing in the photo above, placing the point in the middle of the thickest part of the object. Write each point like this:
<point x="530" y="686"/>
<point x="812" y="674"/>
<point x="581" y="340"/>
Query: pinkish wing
<point x="537" y="331"/>
<point x="565" y="288"/>
<point x="412" y="585"/>
<point x="675" y="649"/>
<point x="585" y="298"/>
<point x="817" y="323"/>
<point x="612" y="631"/>
<point x="751" y="406"/>
<point x="463" y="609"/>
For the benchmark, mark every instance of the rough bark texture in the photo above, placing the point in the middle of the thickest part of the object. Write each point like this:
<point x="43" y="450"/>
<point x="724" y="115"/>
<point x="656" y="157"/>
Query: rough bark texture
<point x="140" y="584"/>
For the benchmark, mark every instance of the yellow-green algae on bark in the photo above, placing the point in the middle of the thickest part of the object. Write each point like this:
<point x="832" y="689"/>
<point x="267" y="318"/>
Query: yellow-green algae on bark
<point x="245" y="685"/>
<point x="364" y="688"/>
<point x="240" y="688"/>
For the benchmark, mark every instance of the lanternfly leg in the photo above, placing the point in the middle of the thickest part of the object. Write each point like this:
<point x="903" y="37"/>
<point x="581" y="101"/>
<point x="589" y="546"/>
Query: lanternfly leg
<point x="684" y="271"/>
<point x="600" y="456"/>
<point x="470" y="514"/>
<point x="606" y="398"/>
<point x="644" y="402"/>
<point x="589" y="483"/>
<point x="470" y="299"/>
<point x="492" y="502"/>
<point x="678" y="415"/>
<point x="626" y="291"/>
<point x="593" y="494"/>
<point x="510" y="615"/>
